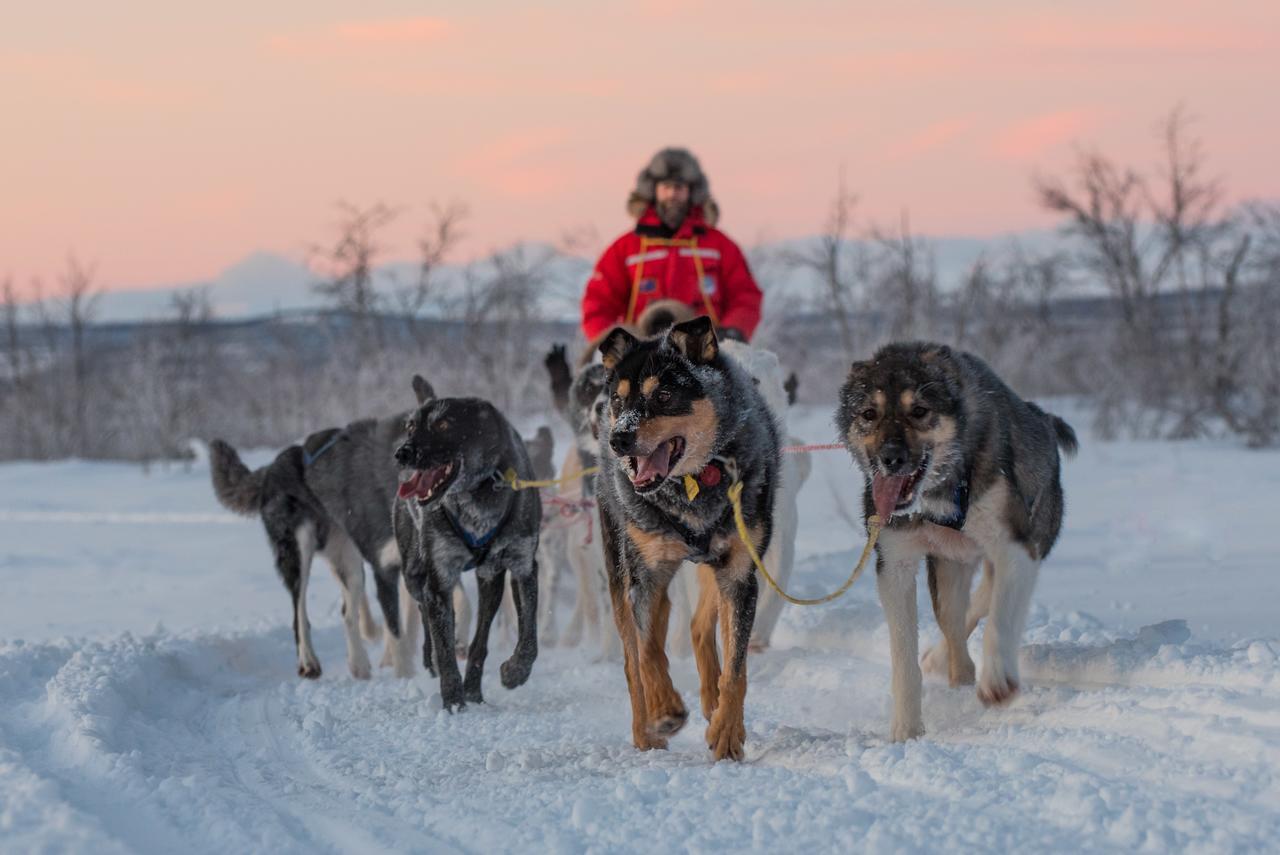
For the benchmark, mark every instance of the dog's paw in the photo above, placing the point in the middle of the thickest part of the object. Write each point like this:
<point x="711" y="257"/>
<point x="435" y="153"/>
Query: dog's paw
<point x="725" y="737"/>
<point x="360" y="670"/>
<point x="996" y="690"/>
<point x="668" y="724"/>
<point x="934" y="660"/>
<point x="514" y="672"/>
<point x="309" y="670"/>
<point x="709" y="693"/>
<point x="453" y="699"/>
<point x="901" y="731"/>
<point x="645" y="741"/>
<point x="962" y="672"/>
<point x="473" y="695"/>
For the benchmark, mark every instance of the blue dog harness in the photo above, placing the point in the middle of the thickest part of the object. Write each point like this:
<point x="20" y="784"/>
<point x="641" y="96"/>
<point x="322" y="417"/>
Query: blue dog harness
<point x="478" y="544"/>
<point x="310" y="457"/>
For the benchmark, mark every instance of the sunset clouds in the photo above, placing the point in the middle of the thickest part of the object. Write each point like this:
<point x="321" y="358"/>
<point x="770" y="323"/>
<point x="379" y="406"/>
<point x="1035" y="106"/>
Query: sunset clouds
<point x="167" y="144"/>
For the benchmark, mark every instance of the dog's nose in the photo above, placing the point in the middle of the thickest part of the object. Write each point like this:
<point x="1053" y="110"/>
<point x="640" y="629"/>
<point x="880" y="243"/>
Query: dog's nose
<point x="622" y="442"/>
<point x="893" y="456"/>
<point x="404" y="453"/>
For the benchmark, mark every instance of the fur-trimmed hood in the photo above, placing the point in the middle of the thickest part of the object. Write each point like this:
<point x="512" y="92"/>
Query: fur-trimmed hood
<point x="673" y="163"/>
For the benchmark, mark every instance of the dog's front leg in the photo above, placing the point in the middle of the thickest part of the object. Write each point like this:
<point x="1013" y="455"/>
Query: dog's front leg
<point x="1013" y="580"/>
<point x="702" y="630"/>
<point x="438" y="600"/>
<point x="896" y="581"/>
<point x="615" y="571"/>
<point x="949" y="582"/>
<point x="524" y="590"/>
<point x="490" y="601"/>
<point x="664" y="710"/>
<point x="739" y="591"/>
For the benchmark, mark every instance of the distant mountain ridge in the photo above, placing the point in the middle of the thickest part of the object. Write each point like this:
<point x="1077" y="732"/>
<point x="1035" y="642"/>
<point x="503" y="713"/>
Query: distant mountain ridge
<point x="265" y="283"/>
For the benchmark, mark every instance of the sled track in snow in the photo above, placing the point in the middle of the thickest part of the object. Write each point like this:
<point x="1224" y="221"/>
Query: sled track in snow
<point x="210" y="744"/>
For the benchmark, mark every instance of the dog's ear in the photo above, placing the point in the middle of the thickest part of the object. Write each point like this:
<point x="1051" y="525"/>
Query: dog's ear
<point x="696" y="339"/>
<point x="859" y="375"/>
<point x="422" y="389"/>
<point x="936" y="353"/>
<point x="616" y="345"/>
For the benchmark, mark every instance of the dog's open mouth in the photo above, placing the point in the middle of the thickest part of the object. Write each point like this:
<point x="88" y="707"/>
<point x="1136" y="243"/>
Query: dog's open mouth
<point x="647" y="472"/>
<point x="894" y="493"/>
<point x="426" y="484"/>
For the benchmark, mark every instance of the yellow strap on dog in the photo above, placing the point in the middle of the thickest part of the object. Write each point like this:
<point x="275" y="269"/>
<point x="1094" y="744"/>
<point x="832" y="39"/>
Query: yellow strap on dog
<point x="873" y="532"/>
<point x="691" y="487"/>
<point x="509" y="478"/>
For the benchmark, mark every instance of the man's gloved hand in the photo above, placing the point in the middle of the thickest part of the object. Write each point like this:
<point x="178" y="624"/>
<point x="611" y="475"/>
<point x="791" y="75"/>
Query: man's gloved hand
<point x="732" y="334"/>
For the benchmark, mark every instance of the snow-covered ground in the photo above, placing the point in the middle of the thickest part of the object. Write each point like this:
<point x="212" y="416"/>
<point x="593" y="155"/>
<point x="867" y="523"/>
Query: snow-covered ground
<point x="148" y="700"/>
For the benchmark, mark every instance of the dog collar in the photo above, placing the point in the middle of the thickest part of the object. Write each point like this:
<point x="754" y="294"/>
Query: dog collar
<point x="710" y="476"/>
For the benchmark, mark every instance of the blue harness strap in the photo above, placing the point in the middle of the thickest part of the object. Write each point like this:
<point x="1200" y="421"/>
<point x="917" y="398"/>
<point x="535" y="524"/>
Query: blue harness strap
<point x="961" y="499"/>
<point x="478" y="544"/>
<point x="309" y="457"/>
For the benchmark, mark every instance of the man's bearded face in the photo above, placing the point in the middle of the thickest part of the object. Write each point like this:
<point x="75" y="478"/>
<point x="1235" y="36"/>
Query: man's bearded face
<point x="672" y="203"/>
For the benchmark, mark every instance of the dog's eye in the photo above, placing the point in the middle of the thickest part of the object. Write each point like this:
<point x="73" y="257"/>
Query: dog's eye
<point x="615" y="401"/>
<point x="663" y="396"/>
<point x="410" y="426"/>
<point x="868" y="415"/>
<point x="919" y="412"/>
<point x="442" y="425"/>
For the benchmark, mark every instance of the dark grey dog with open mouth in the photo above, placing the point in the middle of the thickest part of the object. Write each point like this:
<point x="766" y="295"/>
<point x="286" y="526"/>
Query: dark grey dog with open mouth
<point x="456" y="512"/>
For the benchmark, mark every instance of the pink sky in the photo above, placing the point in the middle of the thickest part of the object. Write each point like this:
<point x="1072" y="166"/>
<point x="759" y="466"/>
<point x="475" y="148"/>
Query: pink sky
<point x="165" y="141"/>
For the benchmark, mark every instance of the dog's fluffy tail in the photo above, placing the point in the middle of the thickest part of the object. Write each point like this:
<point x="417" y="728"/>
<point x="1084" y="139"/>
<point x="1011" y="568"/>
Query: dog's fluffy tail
<point x="1066" y="435"/>
<point x="1062" y="432"/>
<point x="237" y="487"/>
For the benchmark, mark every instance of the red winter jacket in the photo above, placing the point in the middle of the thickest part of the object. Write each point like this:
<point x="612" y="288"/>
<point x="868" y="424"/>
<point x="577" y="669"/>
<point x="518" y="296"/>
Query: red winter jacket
<point x="653" y="263"/>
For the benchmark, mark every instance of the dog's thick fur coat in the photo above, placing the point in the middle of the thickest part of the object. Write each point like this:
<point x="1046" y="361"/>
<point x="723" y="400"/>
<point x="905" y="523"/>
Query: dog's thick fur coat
<point x="454" y="514"/>
<point x="679" y="407"/>
<point x="330" y="494"/>
<point x="962" y="471"/>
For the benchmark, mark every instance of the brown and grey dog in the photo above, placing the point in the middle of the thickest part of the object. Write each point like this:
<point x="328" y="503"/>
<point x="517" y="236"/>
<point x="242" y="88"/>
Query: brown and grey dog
<point x="962" y="471"/>
<point x="684" y="422"/>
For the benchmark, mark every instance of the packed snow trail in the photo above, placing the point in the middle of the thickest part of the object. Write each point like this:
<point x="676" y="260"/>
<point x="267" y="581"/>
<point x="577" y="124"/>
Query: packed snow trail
<point x="207" y="744"/>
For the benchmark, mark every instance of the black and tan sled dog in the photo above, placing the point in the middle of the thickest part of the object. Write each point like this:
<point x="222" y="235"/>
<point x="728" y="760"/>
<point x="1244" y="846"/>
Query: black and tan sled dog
<point x="964" y="473"/>
<point x="684" y="422"/>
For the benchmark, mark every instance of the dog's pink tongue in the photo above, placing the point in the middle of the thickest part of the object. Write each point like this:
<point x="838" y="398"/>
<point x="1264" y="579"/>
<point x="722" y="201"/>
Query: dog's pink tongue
<point x="656" y="464"/>
<point x="885" y="492"/>
<point x="408" y="488"/>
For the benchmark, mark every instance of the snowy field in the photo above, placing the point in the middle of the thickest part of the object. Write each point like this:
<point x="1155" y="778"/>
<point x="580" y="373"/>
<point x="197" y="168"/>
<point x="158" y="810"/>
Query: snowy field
<point x="148" y="701"/>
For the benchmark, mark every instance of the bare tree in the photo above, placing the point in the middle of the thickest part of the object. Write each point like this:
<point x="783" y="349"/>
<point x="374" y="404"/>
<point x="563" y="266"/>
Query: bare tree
<point x="837" y="261"/>
<point x="78" y="301"/>
<point x="347" y="267"/>
<point x="1173" y="258"/>
<point x="905" y="289"/>
<point x="444" y="231"/>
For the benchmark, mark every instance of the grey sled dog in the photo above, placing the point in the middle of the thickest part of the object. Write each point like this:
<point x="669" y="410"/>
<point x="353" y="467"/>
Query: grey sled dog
<point x="454" y="513"/>
<point x="332" y="494"/>
<point x="962" y="471"/>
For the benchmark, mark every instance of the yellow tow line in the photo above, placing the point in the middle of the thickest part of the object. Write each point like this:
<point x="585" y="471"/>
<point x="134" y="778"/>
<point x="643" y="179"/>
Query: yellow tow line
<point x="509" y="478"/>
<point x="735" y="500"/>
<point x="873" y="532"/>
